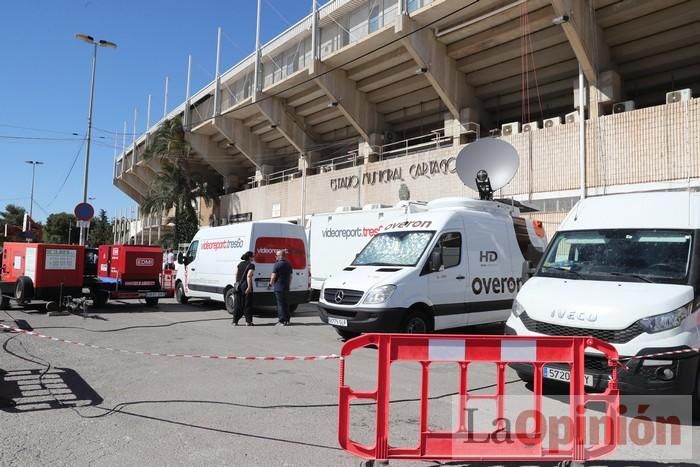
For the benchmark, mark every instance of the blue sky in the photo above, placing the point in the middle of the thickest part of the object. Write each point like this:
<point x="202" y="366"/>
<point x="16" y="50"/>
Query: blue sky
<point x="45" y="79"/>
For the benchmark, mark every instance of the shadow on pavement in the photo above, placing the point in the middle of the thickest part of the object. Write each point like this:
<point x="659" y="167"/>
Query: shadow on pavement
<point x="44" y="389"/>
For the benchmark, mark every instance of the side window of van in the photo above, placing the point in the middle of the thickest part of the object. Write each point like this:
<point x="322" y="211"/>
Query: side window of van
<point x="451" y="245"/>
<point x="449" y="249"/>
<point x="192" y="250"/>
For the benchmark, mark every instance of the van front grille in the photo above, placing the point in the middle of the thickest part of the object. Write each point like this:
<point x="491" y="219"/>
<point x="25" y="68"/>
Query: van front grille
<point x="619" y="336"/>
<point x="348" y="296"/>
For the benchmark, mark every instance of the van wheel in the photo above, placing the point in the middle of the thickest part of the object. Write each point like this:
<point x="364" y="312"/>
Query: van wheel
<point x="151" y="301"/>
<point x="4" y="303"/>
<point x="416" y="322"/>
<point x="180" y="294"/>
<point x="346" y="335"/>
<point x="24" y="290"/>
<point x="230" y="300"/>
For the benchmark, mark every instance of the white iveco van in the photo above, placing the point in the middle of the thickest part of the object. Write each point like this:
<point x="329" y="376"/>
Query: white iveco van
<point x="459" y="263"/>
<point x="625" y="269"/>
<point x="208" y="268"/>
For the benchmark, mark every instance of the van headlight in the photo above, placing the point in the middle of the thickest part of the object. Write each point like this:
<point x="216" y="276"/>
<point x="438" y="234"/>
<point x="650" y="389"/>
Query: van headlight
<point x="517" y="309"/>
<point x="379" y="294"/>
<point x="666" y="321"/>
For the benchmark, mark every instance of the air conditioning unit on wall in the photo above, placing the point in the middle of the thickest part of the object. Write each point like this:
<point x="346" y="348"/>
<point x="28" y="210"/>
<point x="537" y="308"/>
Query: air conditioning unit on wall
<point x="682" y="95"/>
<point x="571" y="117"/>
<point x="532" y="126"/>
<point x="624" y="106"/>
<point x="550" y="122"/>
<point x="508" y="129"/>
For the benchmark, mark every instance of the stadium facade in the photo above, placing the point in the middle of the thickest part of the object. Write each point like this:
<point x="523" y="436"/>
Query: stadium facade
<point x="364" y="98"/>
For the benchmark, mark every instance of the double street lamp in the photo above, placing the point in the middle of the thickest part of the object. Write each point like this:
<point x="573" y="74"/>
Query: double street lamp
<point x="95" y="43"/>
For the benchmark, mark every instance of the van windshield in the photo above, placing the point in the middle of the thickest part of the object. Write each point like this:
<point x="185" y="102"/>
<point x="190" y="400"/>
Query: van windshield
<point x="394" y="249"/>
<point x="633" y="255"/>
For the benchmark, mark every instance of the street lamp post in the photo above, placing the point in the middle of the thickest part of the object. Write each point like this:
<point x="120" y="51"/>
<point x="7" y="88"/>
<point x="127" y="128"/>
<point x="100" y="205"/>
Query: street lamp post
<point x="102" y="43"/>
<point x="31" y="196"/>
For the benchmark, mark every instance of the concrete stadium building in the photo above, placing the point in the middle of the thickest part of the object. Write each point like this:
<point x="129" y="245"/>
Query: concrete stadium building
<point x="364" y="97"/>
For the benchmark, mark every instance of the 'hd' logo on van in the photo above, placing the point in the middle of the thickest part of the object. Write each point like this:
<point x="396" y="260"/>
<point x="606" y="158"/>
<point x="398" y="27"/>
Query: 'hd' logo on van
<point x="144" y="262"/>
<point x="488" y="256"/>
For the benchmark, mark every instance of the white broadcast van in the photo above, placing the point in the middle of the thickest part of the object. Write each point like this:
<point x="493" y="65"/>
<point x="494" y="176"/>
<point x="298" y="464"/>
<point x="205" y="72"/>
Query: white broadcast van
<point x="624" y="269"/>
<point x="336" y="237"/>
<point x="459" y="263"/>
<point x="208" y="269"/>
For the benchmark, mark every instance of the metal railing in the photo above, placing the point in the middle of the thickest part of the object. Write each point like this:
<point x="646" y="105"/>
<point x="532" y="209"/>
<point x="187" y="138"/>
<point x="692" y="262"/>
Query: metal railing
<point x="434" y="140"/>
<point x="351" y="159"/>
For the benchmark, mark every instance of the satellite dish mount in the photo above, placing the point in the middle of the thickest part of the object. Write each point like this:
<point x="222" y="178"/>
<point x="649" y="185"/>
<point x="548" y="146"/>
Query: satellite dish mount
<point x="487" y="165"/>
<point x="483" y="184"/>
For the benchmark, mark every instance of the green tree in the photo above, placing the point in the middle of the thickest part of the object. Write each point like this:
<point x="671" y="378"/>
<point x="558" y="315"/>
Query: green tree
<point x="177" y="186"/>
<point x="59" y="226"/>
<point x="13" y="215"/>
<point x="100" y="230"/>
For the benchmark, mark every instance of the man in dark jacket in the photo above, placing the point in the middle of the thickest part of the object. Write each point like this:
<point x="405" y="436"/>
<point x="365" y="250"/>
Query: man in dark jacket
<point x="280" y="281"/>
<point x="244" y="292"/>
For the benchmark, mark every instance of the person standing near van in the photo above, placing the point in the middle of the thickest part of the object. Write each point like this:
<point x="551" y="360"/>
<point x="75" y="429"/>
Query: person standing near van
<point x="280" y="281"/>
<point x="244" y="290"/>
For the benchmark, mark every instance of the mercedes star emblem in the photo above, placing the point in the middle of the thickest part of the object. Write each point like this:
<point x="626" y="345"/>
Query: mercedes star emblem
<point x="339" y="296"/>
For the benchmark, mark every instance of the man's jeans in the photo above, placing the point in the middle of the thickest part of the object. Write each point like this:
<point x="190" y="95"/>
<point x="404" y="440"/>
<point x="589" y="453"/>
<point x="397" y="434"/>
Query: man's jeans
<point x="282" y="299"/>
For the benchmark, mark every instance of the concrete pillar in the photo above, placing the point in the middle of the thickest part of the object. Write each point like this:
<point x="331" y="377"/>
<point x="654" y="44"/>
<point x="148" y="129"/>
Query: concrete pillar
<point x="231" y="183"/>
<point x="600" y="97"/>
<point x="306" y="163"/>
<point x="260" y="173"/>
<point x="607" y="91"/>
<point x="464" y="130"/>
<point x="370" y="150"/>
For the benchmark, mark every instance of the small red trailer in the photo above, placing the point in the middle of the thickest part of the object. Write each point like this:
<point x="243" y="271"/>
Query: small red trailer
<point x="128" y="272"/>
<point x="40" y="271"/>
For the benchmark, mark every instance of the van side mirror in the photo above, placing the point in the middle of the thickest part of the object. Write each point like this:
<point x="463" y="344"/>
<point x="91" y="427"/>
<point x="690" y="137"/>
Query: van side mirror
<point x="435" y="261"/>
<point x="180" y="258"/>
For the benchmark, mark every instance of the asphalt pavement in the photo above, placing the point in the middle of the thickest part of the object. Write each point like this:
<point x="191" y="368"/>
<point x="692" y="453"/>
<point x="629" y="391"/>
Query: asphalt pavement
<point x="66" y="404"/>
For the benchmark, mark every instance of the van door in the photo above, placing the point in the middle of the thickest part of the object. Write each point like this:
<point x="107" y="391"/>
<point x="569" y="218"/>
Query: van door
<point x="447" y="275"/>
<point x="192" y="286"/>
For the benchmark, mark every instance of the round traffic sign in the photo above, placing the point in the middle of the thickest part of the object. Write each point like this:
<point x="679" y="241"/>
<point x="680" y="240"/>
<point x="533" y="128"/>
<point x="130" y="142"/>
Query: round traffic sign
<point x="84" y="211"/>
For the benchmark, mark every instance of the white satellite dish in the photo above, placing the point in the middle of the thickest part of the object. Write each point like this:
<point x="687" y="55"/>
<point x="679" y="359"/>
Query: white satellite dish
<point x="497" y="158"/>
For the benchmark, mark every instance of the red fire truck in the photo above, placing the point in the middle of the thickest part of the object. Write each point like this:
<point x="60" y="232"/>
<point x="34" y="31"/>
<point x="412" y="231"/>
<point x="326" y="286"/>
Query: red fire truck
<point x="128" y="272"/>
<point x="40" y="271"/>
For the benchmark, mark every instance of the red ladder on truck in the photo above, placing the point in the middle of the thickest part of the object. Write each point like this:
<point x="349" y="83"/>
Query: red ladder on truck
<point x="463" y="445"/>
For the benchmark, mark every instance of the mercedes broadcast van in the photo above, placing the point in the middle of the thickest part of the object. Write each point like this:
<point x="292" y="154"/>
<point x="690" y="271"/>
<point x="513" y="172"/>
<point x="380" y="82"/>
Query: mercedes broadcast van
<point x="335" y="238"/>
<point x="459" y="263"/>
<point x="208" y="268"/>
<point x="624" y="269"/>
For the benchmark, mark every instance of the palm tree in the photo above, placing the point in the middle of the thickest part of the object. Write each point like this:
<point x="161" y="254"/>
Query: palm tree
<point x="176" y="186"/>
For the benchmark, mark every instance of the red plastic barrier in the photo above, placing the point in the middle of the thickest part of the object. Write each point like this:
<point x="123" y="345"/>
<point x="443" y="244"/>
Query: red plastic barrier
<point x="463" y="445"/>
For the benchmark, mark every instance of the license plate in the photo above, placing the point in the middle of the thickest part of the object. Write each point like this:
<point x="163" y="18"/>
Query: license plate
<point x="155" y="294"/>
<point x="564" y="375"/>
<point x="338" y="322"/>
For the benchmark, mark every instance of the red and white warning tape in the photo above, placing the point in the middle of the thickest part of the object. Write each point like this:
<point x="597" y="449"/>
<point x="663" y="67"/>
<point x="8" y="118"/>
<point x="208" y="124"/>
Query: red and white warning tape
<point x="157" y="354"/>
